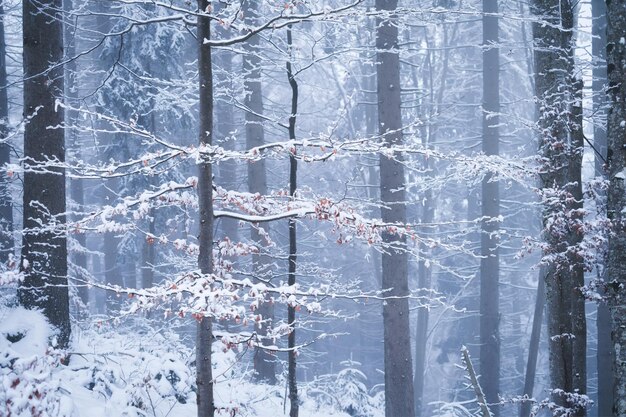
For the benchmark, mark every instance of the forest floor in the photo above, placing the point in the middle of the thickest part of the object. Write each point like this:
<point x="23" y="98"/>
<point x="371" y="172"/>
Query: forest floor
<point x="134" y="369"/>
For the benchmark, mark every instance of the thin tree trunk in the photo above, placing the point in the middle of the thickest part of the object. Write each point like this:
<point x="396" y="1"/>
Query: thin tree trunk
<point x="577" y="315"/>
<point x="204" y="338"/>
<point x="399" y="394"/>
<point x="604" y="356"/>
<point x="148" y="254"/>
<point x="44" y="253"/>
<point x="424" y="279"/>
<point x="293" y="178"/>
<point x="7" y="243"/>
<point x="533" y="349"/>
<point x="490" y="259"/>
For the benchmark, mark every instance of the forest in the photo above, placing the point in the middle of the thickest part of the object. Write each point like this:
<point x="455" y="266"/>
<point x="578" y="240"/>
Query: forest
<point x="366" y="208"/>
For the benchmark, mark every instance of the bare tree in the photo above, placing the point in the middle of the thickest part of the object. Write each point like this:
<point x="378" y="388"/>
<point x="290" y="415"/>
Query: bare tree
<point x="44" y="249"/>
<point x="490" y="258"/>
<point x="399" y="394"/>
<point x="204" y="370"/>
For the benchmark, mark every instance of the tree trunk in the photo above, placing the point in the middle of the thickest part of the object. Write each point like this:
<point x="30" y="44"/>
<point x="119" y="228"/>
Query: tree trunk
<point x="490" y="259"/>
<point x="616" y="282"/>
<point x="604" y="357"/>
<point x="576" y="266"/>
<point x="533" y="349"/>
<point x="293" y="178"/>
<point x="44" y="250"/>
<point x="148" y="254"/>
<point x="7" y="243"/>
<point x="399" y="394"/>
<point x="204" y="339"/>
<point x="424" y="279"/>
<point x="559" y="124"/>
<point x="264" y="362"/>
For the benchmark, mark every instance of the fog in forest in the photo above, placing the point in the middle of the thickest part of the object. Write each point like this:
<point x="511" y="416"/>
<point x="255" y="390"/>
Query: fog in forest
<point x="357" y="208"/>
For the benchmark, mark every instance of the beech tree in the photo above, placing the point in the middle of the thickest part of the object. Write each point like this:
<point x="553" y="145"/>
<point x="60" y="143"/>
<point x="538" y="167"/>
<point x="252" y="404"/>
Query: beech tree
<point x="560" y="139"/>
<point x="399" y="395"/>
<point x="44" y="246"/>
<point x="490" y="259"/>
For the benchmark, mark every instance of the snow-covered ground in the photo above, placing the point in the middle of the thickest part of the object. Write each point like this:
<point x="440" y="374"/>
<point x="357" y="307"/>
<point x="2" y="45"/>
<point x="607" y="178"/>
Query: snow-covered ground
<point x="137" y="370"/>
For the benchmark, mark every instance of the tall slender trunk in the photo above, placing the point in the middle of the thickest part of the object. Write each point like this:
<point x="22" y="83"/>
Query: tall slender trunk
<point x="264" y="362"/>
<point x="604" y="357"/>
<point x="490" y="259"/>
<point x="7" y="243"/>
<point x="44" y="252"/>
<point x="577" y="315"/>
<point x="293" y="178"/>
<point x="424" y="280"/>
<point x="204" y="337"/>
<point x="616" y="282"/>
<point x="399" y="394"/>
<point x="533" y="349"/>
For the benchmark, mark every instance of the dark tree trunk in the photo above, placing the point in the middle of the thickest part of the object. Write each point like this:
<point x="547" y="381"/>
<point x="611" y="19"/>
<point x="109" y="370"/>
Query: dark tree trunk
<point x="576" y="266"/>
<point x="44" y="250"/>
<point x="7" y="243"/>
<point x="399" y="394"/>
<point x="204" y="339"/>
<point x="560" y="148"/>
<point x="148" y="254"/>
<point x="490" y="259"/>
<point x="293" y="178"/>
<point x="264" y="362"/>
<point x="616" y="280"/>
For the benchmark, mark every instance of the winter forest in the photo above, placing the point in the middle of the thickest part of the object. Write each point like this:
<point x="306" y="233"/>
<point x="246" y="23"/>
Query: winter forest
<point x="342" y="208"/>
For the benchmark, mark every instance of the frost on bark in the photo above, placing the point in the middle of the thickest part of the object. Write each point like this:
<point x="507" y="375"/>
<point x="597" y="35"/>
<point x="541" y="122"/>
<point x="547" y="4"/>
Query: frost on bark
<point x="616" y="157"/>
<point x="560" y="137"/>
<point x="44" y="250"/>
<point x="399" y="395"/>
<point x="204" y="336"/>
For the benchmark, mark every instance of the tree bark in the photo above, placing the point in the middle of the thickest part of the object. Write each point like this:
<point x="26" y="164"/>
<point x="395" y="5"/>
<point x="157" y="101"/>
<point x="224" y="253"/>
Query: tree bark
<point x="533" y="350"/>
<point x="293" y="178"/>
<point x="44" y="249"/>
<point x="604" y="356"/>
<point x="560" y="140"/>
<point x="490" y="259"/>
<point x="204" y="338"/>
<point x="616" y="270"/>
<point x="399" y="394"/>
<point x="7" y="243"/>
